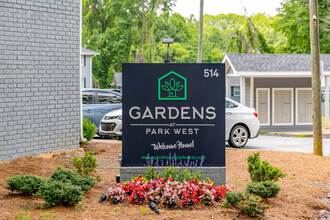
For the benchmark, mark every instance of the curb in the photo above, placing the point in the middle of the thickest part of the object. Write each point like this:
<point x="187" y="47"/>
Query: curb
<point x="291" y="135"/>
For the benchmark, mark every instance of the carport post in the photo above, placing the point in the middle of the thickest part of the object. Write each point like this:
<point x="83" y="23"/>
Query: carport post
<point x="326" y="100"/>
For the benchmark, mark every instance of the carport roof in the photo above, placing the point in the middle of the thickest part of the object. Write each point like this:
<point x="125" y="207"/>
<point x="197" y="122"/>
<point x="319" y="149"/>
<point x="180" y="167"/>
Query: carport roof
<point x="274" y="62"/>
<point x="85" y="51"/>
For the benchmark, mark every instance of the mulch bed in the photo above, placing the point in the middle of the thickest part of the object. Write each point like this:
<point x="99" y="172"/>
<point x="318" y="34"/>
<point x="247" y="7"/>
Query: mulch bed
<point x="304" y="191"/>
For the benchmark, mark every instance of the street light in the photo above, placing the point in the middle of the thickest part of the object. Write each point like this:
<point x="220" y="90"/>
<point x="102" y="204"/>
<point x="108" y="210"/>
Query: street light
<point x="168" y="41"/>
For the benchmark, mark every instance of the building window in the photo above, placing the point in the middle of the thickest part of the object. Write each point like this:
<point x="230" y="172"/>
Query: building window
<point x="236" y="91"/>
<point x="84" y="82"/>
<point x="83" y="60"/>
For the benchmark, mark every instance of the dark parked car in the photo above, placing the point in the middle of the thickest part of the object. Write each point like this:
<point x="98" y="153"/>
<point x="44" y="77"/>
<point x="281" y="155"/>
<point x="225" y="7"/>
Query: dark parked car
<point x="98" y="102"/>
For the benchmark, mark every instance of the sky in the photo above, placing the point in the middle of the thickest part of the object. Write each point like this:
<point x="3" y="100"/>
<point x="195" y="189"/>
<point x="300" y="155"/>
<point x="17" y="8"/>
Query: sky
<point x="214" y="7"/>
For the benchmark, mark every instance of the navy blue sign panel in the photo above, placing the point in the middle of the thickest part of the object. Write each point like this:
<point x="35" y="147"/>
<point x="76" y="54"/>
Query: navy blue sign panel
<point x="173" y="115"/>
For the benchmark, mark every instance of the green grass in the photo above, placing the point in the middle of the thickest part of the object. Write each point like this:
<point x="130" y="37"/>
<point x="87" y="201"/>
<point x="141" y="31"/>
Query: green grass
<point x="299" y="135"/>
<point x="264" y="132"/>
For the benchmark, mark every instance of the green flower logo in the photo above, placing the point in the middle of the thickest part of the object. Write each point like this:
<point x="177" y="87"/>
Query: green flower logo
<point x="172" y="87"/>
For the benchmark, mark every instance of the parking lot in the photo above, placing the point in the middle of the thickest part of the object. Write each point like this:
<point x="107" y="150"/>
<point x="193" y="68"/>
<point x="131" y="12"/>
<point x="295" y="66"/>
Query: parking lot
<point x="272" y="143"/>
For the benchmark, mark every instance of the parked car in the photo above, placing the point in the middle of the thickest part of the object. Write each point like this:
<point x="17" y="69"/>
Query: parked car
<point x="111" y="124"/>
<point x="98" y="102"/>
<point x="242" y="123"/>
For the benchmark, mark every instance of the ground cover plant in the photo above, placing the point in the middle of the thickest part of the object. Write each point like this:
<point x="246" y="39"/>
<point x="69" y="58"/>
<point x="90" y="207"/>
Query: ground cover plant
<point x="25" y="184"/>
<point x="169" y="193"/>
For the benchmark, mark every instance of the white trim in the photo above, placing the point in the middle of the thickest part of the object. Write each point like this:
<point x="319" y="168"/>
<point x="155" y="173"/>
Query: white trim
<point x="230" y="64"/>
<point x="90" y="72"/>
<point x="242" y="86"/>
<point x="276" y="74"/>
<point x="273" y="106"/>
<point x="80" y="75"/>
<point x="268" y="105"/>
<point x="228" y="87"/>
<point x="297" y="123"/>
<point x="89" y="54"/>
<point x="251" y="92"/>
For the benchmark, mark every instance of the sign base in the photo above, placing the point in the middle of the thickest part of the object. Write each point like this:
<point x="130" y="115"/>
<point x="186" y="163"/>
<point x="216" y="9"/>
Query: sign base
<point x="216" y="174"/>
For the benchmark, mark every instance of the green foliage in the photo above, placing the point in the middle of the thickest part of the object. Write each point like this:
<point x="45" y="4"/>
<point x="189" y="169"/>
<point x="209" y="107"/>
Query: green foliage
<point x="293" y="21"/>
<point x="89" y="129"/>
<point x="233" y="198"/>
<point x="248" y="205"/>
<point x="251" y="206"/>
<point x="122" y="31"/>
<point x="132" y="31"/>
<point x="173" y="172"/>
<point x="262" y="171"/>
<point x="143" y="210"/>
<point x="73" y="178"/>
<point x="86" y="165"/>
<point x="26" y="185"/>
<point x="267" y="189"/>
<point x="56" y="192"/>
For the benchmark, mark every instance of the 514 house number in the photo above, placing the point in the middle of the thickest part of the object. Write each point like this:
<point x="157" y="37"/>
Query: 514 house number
<point x="211" y="73"/>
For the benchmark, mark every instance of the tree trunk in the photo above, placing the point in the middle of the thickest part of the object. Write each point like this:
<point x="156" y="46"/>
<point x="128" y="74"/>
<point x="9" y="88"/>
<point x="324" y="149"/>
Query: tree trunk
<point x="316" y="82"/>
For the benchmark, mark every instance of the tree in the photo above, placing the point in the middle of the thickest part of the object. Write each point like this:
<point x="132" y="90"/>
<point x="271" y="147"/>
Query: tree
<point x="293" y="21"/>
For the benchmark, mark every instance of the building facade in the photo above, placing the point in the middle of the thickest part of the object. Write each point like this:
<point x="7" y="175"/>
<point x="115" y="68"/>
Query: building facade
<point x="278" y="86"/>
<point x="39" y="76"/>
<point x="86" y="67"/>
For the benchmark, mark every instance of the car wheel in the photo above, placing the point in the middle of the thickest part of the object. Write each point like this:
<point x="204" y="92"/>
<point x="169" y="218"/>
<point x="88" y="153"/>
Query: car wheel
<point x="238" y="137"/>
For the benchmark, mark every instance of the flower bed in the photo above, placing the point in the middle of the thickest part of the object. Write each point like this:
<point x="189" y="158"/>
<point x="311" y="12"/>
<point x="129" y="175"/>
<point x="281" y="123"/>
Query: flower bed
<point x="171" y="194"/>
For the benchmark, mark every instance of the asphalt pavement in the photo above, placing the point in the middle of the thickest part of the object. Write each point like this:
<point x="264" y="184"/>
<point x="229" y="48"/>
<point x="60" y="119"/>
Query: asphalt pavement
<point x="273" y="143"/>
<point x="296" y="144"/>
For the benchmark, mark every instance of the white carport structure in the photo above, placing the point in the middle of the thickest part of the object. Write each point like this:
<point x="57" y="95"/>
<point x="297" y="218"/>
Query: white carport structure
<point x="278" y="86"/>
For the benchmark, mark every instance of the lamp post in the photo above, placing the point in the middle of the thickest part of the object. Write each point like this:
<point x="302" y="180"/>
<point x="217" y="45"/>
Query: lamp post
<point x="168" y="41"/>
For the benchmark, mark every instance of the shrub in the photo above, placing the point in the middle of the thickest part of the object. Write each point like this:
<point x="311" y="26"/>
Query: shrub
<point x="248" y="205"/>
<point x="27" y="185"/>
<point x="233" y="198"/>
<point x="173" y="172"/>
<point x="262" y="171"/>
<point x="60" y="193"/>
<point x="251" y="207"/>
<point x="68" y="176"/>
<point x="89" y="129"/>
<point x="85" y="165"/>
<point x="267" y="189"/>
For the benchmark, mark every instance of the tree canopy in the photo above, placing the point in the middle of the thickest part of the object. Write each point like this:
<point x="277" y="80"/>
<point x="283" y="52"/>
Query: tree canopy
<point x="126" y="31"/>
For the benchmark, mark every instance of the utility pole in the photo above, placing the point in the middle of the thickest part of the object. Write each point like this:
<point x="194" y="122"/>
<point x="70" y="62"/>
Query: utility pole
<point x="316" y="81"/>
<point x="200" y="39"/>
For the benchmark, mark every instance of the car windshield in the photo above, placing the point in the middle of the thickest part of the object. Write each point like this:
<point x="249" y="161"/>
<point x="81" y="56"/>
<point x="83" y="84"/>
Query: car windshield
<point x="230" y="104"/>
